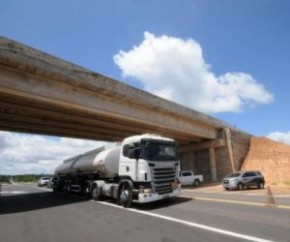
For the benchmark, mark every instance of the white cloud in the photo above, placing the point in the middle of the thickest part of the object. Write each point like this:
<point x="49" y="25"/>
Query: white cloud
<point x="175" y="69"/>
<point x="24" y="153"/>
<point x="280" y="137"/>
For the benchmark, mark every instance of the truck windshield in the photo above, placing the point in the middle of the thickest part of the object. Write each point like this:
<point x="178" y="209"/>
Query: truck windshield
<point x="159" y="151"/>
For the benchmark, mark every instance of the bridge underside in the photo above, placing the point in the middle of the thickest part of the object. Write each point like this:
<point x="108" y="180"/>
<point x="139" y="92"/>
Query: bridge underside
<point x="23" y="114"/>
<point x="42" y="94"/>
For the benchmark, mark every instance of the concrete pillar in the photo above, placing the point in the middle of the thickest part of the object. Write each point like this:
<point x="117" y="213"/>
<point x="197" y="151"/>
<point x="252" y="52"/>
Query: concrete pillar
<point x="230" y="148"/>
<point x="191" y="161"/>
<point x="212" y="161"/>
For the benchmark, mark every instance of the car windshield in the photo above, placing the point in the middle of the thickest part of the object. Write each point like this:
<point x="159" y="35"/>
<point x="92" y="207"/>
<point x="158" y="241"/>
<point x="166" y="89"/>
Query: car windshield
<point x="159" y="151"/>
<point x="236" y="174"/>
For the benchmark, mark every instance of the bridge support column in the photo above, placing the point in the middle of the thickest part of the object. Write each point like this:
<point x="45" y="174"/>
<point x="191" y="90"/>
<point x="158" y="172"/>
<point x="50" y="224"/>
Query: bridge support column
<point x="212" y="161"/>
<point x="191" y="159"/>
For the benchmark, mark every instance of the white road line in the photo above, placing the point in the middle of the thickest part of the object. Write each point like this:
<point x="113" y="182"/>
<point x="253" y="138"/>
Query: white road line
<point x="238" y="193"/>
<point x="191" y="224"/>
<point x="282" y="196"/>
<point x="228" y="193"/>
<point x="13" y="192"/>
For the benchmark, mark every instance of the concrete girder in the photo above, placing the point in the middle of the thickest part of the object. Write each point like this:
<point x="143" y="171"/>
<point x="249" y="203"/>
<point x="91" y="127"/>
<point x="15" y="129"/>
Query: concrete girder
<point x="40" y="89"/>
<point x="202" y="145"/>
<point x="32" y="112"/>
<point x="23" y="57"/>
<point x="42" y="82"/>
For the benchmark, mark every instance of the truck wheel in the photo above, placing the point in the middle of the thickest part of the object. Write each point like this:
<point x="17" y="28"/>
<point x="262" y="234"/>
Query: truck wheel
<point x="95" y="193"/>
<point x="55" y="189"/>
<point x="196" y="183"/>
<point x="87" y="193"/>
<point x="67" y="190"/>
<point x="125" y="195"/>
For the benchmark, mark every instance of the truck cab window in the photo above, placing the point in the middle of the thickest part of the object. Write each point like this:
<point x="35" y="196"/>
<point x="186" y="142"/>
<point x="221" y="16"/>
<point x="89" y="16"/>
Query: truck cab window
<point x="129" y="147"/>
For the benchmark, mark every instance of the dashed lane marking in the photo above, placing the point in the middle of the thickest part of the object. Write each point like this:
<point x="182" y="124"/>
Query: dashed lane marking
<point x="13" y="192"/>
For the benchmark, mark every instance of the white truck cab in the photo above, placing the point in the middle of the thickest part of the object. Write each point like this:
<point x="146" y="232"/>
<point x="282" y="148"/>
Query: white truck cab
<point x="189" y="178"/>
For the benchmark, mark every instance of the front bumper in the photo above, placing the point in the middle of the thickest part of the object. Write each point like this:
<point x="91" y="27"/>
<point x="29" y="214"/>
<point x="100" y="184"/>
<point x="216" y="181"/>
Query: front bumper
<point x="151" y="197"/>
<point x="230" y="185"/>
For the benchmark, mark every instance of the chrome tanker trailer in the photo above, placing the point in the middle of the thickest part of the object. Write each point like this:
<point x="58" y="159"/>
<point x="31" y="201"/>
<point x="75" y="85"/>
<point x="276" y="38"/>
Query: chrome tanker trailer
<point x="141" y="169"/>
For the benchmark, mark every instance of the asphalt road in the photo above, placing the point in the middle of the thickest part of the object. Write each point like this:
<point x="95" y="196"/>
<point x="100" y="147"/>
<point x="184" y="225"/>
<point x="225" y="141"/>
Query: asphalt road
<point x="37" y="215"/>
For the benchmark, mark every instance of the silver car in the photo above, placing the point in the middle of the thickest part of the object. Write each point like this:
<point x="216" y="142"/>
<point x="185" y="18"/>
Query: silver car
<point x="244" y="179"/>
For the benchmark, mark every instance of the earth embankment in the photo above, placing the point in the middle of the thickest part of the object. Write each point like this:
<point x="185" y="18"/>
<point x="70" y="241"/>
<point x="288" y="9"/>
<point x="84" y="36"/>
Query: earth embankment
<point x="271" y="158"/>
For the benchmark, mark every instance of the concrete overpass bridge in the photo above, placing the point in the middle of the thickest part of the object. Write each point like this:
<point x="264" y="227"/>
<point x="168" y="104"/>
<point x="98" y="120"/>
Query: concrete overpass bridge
<point x="42" y="94"/>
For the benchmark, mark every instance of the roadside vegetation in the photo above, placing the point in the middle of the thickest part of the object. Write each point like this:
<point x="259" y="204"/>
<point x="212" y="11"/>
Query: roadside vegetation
<point x="21" y="178"/>
<point x="4" y="179"/>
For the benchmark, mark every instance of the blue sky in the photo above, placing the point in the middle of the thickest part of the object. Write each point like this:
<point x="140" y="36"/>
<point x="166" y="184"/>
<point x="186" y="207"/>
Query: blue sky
<point x="239" y="49"/>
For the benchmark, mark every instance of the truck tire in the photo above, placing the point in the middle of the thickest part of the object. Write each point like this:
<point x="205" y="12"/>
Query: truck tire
<point x="87" y="193"/>
<point x="66" y="190"/>
<point x="95" y="193"/>
<point x="125" y="194"/>
<point x="55" y="189"/>
<point x="196" y="183"/>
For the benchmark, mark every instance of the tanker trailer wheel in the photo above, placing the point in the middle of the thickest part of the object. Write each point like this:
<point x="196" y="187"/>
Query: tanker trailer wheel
<point x="95" y="193"/>
<point x="125" y="195"/>
<point x="87" y="193"/>
<point x="55" y="189"/>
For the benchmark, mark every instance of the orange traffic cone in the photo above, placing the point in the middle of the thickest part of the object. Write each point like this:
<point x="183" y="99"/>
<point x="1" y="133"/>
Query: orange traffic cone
<point x="270" y="198"/>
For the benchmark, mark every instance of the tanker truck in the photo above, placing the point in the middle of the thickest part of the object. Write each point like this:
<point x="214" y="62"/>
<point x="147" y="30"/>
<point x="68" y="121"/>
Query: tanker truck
<point x="141" y="169"/>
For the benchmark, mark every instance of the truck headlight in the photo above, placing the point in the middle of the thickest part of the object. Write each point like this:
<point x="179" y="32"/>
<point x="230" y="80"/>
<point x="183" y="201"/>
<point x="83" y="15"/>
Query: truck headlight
<point x="142" y="189"/>
<point x="147" y="190"/>
<point x="175" y="184"/>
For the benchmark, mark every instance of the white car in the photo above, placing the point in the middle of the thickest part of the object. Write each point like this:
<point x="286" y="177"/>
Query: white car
<point x="188" y="178"/>
<point x="43" y="181"/>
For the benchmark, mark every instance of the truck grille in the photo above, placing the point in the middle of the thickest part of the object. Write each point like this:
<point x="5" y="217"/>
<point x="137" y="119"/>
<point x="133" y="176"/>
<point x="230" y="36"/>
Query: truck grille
<point x="162" y="179"/>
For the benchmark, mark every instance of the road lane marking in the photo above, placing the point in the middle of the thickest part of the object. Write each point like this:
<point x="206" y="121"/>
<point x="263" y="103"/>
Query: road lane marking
<point x="192" y="224"/>
<point x="226" y="192"/>
<point x="233" y="201"/>
<point x="286" y="196"/>
<point x="13" y="192"/>
<point x="246" y="193"/>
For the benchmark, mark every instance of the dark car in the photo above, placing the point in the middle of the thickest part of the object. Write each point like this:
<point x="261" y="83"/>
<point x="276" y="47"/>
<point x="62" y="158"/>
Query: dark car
<point x="244" y="179"/>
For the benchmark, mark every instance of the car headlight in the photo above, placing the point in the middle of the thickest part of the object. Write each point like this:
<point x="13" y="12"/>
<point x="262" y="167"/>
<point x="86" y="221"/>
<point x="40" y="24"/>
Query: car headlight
<point x="234" y="180"/>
